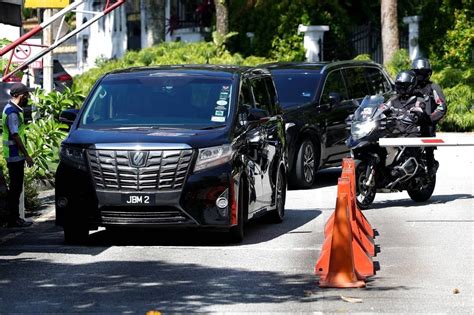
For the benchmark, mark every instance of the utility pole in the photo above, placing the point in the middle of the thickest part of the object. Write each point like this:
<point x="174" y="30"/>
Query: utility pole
<point x="48" y="58"/>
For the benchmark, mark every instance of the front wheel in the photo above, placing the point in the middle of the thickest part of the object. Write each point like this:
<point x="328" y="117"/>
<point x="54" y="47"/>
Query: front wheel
<point x="424" y="191"/>
<point x="365" y="194"/>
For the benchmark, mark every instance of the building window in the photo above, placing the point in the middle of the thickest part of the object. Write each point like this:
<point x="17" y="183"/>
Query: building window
<point x="192" y="13"/>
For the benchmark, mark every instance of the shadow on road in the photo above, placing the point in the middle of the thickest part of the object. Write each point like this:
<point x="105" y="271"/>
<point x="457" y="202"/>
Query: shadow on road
<point x="407" y="202"/>
<point x="256" y="231"/>
<point x="47" y="238"/>
<point x="139" y="286"/>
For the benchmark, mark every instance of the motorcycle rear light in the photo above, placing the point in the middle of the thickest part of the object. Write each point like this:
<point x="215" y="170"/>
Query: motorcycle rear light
<point x="64" y="77"/>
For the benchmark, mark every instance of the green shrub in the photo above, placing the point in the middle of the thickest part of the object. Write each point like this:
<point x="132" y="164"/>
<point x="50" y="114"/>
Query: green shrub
<point x="50" y="105"/>
<point x="399" y="62"/>
<point x="169" y="53"/>
<point x="459" y="41"/>
<point x="363" y="57"/>
<point x="44" y="138"/>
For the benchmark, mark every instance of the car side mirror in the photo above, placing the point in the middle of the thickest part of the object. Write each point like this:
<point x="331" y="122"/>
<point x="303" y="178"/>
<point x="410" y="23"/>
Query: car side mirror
<point x="257" y="115"/>
<point x="68" y="116"/>
<point x="334" y="98"/>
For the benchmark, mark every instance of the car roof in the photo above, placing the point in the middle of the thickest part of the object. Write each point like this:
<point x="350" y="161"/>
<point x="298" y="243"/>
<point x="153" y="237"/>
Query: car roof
<point x="205" y="70"/>
<point x="319" y="67"/>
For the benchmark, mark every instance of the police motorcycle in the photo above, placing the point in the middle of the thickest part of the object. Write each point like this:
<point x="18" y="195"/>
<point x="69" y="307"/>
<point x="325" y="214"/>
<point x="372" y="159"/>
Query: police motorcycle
<point x="388" y="169"/>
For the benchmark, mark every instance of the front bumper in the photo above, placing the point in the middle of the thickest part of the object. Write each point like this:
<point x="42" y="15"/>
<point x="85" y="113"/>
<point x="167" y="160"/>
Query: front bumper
<point x="78" y="200"/>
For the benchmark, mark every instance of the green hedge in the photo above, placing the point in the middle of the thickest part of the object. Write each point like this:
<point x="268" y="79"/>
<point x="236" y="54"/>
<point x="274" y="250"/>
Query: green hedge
<point x="170" y="53"/>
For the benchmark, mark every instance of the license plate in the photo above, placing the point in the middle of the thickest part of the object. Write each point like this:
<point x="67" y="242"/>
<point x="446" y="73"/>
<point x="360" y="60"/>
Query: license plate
<point x="138" y="199"/>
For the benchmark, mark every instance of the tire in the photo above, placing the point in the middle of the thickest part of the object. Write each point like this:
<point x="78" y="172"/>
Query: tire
<point x="305" y="166"/>
<point x="278" y="214"/>
<point x="364" y="195"/>
<point x="75" y="234"/>
<point x="424" y="192"/>
<point x="236" y="233"/>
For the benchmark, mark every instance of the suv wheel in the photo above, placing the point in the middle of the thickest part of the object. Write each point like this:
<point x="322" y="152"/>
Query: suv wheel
<point x="305" y="166"/>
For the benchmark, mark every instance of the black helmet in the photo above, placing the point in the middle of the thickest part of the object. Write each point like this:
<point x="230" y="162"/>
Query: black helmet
<point x="422" y="68"/>
<point x="405" y="82"/>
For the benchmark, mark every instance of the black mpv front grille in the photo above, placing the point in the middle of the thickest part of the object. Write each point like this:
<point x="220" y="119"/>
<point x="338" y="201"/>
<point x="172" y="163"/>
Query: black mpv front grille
<point x="144" y="215"/>
<point x="154" y="170"/>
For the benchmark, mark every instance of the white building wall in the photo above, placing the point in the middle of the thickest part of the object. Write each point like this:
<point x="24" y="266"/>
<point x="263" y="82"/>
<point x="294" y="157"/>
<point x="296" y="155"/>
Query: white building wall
<point x="107" y="38"/>
<point x="9" y="32"/>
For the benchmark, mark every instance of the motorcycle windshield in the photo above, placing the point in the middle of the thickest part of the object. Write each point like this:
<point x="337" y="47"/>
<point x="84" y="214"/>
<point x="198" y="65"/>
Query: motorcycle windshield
<point x="368" y="107"/>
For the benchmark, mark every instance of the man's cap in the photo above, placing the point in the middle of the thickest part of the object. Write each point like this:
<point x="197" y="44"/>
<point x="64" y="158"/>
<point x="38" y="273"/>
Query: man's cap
<point x="19" y="88"/>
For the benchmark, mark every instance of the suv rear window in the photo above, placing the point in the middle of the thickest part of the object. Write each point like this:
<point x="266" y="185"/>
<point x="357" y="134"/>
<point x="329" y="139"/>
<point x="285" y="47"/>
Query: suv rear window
<point x="295" y="88"/>
<point x="165" y="100"/>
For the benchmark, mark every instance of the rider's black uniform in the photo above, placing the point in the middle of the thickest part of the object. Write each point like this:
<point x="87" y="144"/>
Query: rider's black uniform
<point x="435" y="108"/>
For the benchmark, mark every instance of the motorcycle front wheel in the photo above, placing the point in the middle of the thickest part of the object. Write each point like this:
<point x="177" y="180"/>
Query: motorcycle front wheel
<point x="365" y="194"/>
<point x="424" y="191"/>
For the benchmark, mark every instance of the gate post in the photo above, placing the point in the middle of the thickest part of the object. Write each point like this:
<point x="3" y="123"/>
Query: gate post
<point x="313" y="41"/>
<point x="413" y="35"/>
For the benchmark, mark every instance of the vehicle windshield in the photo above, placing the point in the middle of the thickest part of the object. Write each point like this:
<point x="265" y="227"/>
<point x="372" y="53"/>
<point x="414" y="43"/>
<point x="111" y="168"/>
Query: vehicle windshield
<point x="159" y="101"/>
<point x="368" y="107"/>
<point x="295" y="88"/>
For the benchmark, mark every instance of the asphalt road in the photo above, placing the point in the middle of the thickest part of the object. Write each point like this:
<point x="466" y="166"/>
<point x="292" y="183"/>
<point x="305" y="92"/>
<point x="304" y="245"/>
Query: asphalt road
<point x="426" y="259"/>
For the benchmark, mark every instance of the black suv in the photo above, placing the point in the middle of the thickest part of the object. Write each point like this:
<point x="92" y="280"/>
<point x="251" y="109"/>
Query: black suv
<point x="173" y="146"/>
<point x="316" y="100"/>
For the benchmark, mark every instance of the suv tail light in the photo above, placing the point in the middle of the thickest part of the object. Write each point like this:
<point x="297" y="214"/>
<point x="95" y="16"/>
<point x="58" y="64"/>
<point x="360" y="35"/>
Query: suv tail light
<point x="64" y="77"/>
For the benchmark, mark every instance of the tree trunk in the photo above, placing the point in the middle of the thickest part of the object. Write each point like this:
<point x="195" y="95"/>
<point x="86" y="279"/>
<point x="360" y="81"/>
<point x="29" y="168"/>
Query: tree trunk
<point x="390" y="40"/>
<point x="155" y="21"/>
<point x="222" y="17"/>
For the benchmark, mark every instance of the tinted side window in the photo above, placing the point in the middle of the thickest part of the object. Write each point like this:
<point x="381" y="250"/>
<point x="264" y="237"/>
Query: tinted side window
<point x="355" y="78"/>
<point x="334" y="83"/>
<point x="378" y="84"/>
<point x="272" y="94"/>
<point x="260" y="93"/>
<point x="245" y="97"/>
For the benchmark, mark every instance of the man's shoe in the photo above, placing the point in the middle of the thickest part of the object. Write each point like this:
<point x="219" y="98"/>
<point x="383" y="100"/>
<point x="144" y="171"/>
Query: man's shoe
<point x="19" y="223"/>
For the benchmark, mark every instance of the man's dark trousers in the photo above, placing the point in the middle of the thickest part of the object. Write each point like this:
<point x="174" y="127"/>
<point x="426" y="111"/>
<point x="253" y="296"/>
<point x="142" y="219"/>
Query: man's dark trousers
<point x="16" y="172"/>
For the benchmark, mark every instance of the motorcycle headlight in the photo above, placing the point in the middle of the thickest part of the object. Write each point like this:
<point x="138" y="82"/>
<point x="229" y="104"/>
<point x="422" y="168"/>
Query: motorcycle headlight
<point x="362" y="129"/>
<point x="73" y="156"/>
<point x="213" y="156"/>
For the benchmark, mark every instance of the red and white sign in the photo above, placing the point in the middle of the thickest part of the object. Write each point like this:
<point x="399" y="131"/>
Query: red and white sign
<point x="21" y="53"/>
<point x="425" y="142"/>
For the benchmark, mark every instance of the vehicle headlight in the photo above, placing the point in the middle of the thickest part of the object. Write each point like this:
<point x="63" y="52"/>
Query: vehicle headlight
<point x="213" y="156"/>
<point x="73" y="157"/>
<point x="362" y="129"/>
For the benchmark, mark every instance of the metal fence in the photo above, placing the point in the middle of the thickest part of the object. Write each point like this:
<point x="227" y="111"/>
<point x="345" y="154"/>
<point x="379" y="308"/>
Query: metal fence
<point x="367" y="39"/>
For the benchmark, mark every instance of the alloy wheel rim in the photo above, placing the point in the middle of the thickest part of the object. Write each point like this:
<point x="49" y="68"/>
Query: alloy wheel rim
<point x="308" y="163"/>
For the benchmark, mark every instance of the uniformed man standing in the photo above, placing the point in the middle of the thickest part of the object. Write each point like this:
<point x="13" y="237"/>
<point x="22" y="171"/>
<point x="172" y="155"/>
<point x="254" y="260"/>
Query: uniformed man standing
<point x="14" y="151"/>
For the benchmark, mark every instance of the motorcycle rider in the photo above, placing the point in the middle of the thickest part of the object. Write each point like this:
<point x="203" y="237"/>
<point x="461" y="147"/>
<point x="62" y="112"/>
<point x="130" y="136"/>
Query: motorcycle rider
<point x="435" y="106"/>
<point x="406" y="86"/>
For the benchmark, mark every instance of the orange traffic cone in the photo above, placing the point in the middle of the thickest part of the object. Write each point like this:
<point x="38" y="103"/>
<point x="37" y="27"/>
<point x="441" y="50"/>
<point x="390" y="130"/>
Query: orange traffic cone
<point x="336" y="262"/>
<point x="363" y="246"/>
<point x="348" y="166"/>
<point x="358" y="229"/>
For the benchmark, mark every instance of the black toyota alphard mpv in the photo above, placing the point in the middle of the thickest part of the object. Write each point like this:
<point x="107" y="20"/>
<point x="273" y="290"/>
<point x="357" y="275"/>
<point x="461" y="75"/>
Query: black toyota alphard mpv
<point x="173" y="147"/>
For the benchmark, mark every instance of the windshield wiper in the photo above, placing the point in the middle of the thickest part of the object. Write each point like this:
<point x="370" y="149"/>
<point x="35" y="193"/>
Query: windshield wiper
<point x="213" y="127"/>
<point x="145" y="127"/>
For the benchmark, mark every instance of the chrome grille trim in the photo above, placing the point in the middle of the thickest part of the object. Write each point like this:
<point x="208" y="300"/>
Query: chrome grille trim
<point x="164" y="170"/>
